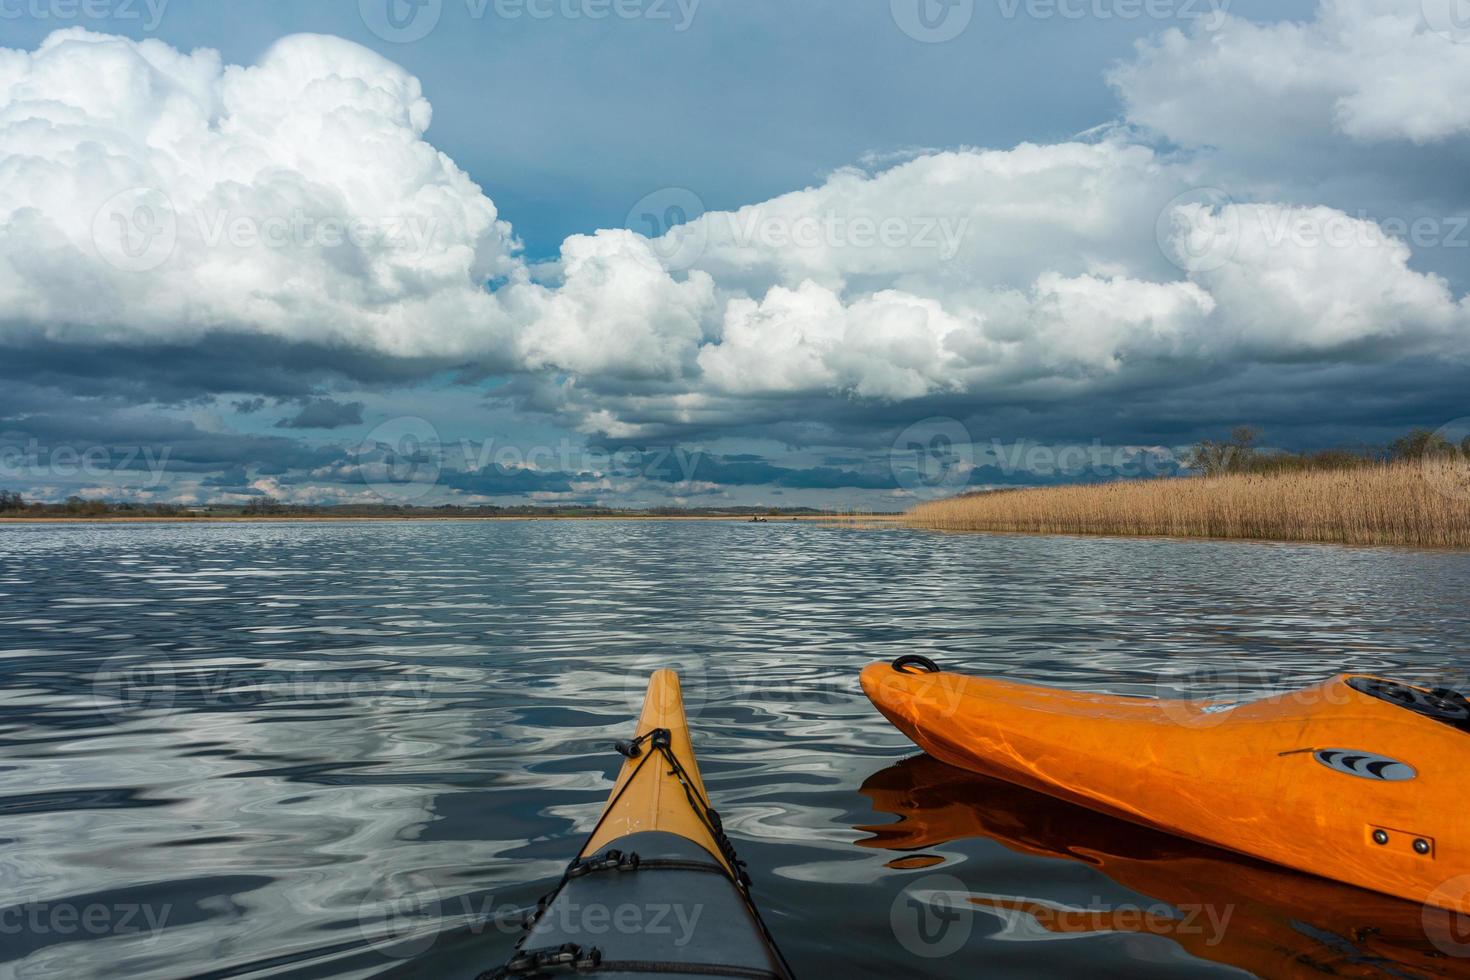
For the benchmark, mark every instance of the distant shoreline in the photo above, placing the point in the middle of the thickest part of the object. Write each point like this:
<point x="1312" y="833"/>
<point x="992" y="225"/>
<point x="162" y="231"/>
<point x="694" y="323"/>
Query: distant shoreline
<point x="407" y="518"/>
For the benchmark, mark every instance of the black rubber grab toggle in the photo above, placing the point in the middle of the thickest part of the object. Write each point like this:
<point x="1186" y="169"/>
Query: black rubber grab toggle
<point x="1441" y="704"/>
<point x="613" y="860"/>
<point x="914" y="660"/>
<point x="566" y="957"/>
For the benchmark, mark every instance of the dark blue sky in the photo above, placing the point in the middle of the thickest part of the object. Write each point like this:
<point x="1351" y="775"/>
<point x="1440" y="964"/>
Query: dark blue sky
<point x="568" y="122"/>
<point x="1057" y="142"/>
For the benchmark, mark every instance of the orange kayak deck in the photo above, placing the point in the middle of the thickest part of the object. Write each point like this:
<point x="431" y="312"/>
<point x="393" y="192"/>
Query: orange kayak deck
<point x="648" y="796"/>
<point x="658" y="855"/>
<point x="1327" y="780"/>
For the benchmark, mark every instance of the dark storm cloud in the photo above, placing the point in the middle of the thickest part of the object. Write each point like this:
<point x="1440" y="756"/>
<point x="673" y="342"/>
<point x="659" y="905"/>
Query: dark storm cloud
<point x="324" y="413"/>
<point x="182" y="445"/>
<point x="1299" y="407"/>
<point x="158" y="373"/>
<point x="90" y="398"/>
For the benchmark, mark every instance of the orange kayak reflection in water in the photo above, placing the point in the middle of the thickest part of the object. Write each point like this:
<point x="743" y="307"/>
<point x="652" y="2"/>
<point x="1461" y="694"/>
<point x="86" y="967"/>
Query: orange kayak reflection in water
<point x="1217" y="905"/>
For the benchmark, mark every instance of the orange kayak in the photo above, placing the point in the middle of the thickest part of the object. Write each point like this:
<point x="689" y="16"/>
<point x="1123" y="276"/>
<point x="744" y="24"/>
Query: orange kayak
<point x="1265" y="919"/>
<point x="1358" y="779"/>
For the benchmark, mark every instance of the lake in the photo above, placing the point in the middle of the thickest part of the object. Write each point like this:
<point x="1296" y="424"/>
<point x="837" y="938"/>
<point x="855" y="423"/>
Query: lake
<point x="246" y="749"/>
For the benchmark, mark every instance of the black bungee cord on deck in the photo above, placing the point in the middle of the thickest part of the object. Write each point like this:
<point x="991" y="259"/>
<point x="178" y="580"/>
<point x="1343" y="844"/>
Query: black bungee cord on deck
<point x="531" y="964"/>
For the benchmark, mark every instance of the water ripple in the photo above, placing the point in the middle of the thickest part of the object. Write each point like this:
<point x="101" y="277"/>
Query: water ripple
<point x="258" y="734"/>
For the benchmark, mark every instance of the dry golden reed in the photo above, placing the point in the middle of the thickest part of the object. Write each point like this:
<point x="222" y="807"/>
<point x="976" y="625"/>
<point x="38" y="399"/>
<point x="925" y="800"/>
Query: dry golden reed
<point x="1424" y="504"/>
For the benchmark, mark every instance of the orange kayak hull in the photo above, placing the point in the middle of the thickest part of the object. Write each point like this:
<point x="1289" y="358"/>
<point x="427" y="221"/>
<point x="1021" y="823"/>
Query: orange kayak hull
<point x="1327" y="780"/>
<point x="1262" y="918"/>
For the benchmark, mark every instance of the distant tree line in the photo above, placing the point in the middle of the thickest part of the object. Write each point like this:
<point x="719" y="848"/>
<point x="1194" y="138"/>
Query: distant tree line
<point x="12" y="504"/>
<point x="1241" y="453"/>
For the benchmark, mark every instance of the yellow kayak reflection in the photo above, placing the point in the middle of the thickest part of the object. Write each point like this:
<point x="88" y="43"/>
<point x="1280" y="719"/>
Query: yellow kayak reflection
<point x="1219" y="906"/>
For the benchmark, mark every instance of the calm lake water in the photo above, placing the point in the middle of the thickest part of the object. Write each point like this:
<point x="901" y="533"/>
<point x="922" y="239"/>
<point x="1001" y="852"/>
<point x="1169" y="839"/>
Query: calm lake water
<point x="352" y="750"/>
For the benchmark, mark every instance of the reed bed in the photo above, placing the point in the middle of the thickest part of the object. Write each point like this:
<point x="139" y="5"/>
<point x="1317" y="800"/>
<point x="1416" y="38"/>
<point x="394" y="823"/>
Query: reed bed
<point x="1419" y="503"/>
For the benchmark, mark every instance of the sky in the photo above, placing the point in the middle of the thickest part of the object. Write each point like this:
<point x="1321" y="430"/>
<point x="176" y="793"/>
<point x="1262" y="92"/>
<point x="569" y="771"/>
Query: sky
<point x="633" y="253"/>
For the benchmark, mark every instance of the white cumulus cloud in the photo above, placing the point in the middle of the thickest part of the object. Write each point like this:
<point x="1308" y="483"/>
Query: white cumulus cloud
<point x="1369" y="70"/>
<point x="152" y="194"/>
<point x="299" y="198"/>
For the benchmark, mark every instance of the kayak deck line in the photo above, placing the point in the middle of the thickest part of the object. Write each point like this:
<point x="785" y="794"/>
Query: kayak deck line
<point x="659" y="846"/>
<point x="641" y="799"/>
<point x="1358" y="779"/>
